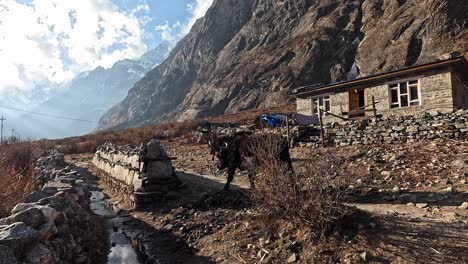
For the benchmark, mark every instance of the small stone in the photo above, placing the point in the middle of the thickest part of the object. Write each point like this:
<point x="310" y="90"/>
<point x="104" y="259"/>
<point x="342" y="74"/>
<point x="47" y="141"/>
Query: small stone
<point x="363" y="256"/>
<point x="292" y="258"/>
<point x="410" y="204"/>
<point x="459" y="164"/>
<point x="421" y="205"/>
<point x="451" y="189"/>
<point x="396" y="189"/>
<point x="464" y="206"/>
<point x="445" y="181"/>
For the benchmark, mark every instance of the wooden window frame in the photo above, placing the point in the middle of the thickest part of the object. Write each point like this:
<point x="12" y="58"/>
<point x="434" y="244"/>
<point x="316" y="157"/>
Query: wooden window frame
<point x="313" y="102"/>
<point x="396" y="86"/>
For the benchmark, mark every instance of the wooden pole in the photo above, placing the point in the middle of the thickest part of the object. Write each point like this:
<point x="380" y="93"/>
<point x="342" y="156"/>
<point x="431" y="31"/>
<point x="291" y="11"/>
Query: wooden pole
<point x="1" y="130"/>
<point x="322" y="133"/>
<point x="373" y="106"/>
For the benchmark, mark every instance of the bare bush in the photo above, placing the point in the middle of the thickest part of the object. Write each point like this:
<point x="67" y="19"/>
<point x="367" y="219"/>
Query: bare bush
<point x="14" y="188"/>
<point x="314" y="200"/>
<point x="16" y="172"/>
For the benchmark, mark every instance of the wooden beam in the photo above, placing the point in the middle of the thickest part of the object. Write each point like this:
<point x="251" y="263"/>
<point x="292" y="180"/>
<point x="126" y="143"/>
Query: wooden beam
<point x="322" y="133"/>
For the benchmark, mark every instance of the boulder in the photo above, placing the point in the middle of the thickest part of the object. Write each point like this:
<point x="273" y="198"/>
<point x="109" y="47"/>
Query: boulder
<point x="36" y="196"/>
<point x="58" y="203"/>
<point x="21" y="207"/>
<point x="40" y="254"/>
<point x="47" y="230"/>
<point x="18" y="237"/>
<point x="7" y="256"/>
<point x="32" y="217"/>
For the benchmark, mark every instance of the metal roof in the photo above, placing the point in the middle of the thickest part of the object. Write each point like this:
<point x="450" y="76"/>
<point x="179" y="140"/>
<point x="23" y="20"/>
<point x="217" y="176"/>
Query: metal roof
<point x="459" y="63"/>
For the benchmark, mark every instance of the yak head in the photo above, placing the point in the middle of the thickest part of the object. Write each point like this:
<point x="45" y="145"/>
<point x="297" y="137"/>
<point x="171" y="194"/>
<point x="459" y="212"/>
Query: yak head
<point x="219" y="148"/>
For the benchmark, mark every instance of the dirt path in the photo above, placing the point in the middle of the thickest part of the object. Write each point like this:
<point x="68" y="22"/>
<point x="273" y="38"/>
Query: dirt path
<point x="206" y="225"/>
<point x="146" y="228"/>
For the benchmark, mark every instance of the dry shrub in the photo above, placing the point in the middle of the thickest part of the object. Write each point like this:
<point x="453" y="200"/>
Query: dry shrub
<point x="165" y="131"/>
<point x="314" y="201"/>
<point x="16" y="178"/>
<point x="14" y="188"/>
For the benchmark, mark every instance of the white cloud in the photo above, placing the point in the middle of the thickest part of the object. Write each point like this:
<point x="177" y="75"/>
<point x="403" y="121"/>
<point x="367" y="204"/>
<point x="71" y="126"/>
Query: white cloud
<point x="197" y="9"/>
<point x="175" y="32"/>
<point x="53" y="40"/>
<point x="171" y="33"/>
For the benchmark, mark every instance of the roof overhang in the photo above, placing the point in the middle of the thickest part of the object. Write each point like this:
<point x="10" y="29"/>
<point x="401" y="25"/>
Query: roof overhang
<point x="458" y="64"/>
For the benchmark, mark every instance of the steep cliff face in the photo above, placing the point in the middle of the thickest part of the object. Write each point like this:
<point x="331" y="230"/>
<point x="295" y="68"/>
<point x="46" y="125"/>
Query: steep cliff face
<point x="247" y="54"/>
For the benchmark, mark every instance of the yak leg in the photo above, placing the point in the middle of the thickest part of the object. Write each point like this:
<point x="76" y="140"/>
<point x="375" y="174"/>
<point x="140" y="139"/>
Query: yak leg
<point x="231" y="173"/>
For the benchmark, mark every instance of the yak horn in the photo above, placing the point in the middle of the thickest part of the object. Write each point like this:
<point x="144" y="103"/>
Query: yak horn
<point x="225" y="145"/>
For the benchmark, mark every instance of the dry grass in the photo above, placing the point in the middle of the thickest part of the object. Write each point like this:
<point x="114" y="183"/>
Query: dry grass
<point x="167" y="131"/>
<point x="314" y="201"/>
<point x="16" y="180"/>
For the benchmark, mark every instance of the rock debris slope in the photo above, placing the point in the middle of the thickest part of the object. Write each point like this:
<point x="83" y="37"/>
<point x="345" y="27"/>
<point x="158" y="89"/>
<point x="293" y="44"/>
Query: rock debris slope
<point x="247" y="54"/>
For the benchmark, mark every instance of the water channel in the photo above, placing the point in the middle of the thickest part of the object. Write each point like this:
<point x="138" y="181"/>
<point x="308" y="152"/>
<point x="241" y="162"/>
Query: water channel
<point x="121" y="250"/>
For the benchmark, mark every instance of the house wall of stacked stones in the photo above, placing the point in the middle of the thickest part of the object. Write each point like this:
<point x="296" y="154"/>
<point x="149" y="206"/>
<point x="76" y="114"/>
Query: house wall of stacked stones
<point x="438" y="90"/>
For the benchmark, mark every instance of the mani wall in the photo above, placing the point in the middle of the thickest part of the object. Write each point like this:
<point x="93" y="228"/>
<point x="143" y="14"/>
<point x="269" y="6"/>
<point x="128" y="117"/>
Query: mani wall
<point x="144" y="174"/>
<point x="54" y="225"/>
<point x="391" y="130"/>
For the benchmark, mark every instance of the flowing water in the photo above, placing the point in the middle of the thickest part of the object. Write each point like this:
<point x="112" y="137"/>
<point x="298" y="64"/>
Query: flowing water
<point x="121" y="250"/>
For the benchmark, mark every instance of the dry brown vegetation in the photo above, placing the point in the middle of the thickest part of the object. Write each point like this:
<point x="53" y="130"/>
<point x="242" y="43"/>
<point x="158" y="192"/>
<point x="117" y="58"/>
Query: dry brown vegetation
<point x="17" y="158"/>
<point x="167" y="131"/>
<point x="16" y="178"/>
<point x="314" y="201"/>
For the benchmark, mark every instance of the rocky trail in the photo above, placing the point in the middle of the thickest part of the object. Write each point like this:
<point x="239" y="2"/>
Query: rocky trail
<point x="405" y="219"/>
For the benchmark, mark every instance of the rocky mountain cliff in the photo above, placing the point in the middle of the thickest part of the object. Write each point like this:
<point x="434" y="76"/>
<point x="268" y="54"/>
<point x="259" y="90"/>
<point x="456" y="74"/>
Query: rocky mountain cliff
<point x="87" y="97"/>
<point x="247" y="54"/>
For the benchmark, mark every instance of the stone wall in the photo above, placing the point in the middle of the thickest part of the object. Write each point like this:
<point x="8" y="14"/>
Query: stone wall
<point x="54" y="225"/>
<point x="143" y="175"/>
<point x="390" y="130"/>
<point x="304" y="106"/>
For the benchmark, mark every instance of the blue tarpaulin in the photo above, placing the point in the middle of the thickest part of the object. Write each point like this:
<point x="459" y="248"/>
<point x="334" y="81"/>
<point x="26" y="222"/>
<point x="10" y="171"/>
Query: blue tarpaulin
<point x="273" y="120"/>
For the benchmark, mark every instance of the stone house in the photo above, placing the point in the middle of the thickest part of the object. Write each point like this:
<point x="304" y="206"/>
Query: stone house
<point x="438" y="86"/>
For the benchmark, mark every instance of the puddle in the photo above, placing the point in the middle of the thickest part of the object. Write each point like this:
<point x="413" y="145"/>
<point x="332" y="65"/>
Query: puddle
<point x="121" y="250"/>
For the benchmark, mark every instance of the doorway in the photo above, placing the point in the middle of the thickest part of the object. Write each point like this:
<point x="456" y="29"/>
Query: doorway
<point x="357" y="101"/>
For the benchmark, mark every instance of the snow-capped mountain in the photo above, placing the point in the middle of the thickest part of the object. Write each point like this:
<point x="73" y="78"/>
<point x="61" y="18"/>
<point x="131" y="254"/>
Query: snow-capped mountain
<point x="86" y="97"/>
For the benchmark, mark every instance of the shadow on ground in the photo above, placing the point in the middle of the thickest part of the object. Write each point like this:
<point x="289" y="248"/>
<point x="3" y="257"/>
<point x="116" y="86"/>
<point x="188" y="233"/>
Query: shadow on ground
<point x="432" y="198"/>
<point x="158" y="246"/>
<point x="414" y="241"/>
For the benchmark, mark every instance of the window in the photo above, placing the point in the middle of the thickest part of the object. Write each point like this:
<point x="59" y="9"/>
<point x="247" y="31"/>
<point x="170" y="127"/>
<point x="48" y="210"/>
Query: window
<point x="322" y="102"/>
<point x="404" y="94"/>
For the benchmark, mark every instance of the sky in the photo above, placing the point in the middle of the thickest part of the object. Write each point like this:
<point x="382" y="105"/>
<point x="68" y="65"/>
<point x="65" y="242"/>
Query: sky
<point x="45" y="42"/>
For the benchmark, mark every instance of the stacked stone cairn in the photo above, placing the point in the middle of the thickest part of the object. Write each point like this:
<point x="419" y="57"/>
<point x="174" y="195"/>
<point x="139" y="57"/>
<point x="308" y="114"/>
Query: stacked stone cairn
<point x="53" y="225"/>
<point x="390" y="130"/>
<point x="144" y="174"/>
